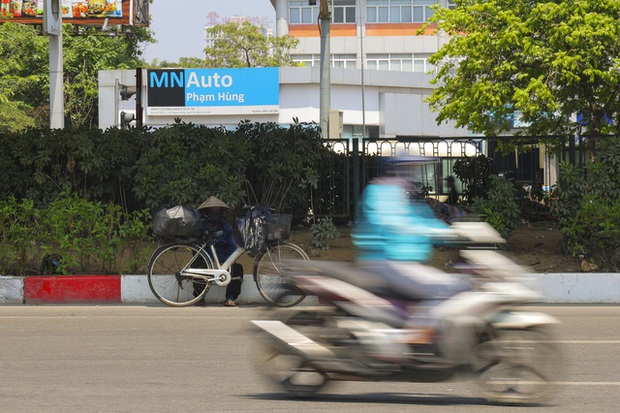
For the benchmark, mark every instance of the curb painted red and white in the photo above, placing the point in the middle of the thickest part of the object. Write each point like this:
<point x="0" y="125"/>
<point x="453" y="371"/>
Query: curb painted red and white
<point x="569" y="288"/>
<point x="72" y="289"/>
<point x="103" y="289"/>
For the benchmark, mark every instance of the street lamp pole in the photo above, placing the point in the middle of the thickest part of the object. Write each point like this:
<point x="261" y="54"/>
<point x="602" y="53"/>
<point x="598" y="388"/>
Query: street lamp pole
<point x="325" y="91"/>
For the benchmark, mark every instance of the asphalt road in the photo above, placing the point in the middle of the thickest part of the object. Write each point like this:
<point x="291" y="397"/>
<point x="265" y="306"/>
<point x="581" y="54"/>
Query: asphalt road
<point x="161" y="359"/>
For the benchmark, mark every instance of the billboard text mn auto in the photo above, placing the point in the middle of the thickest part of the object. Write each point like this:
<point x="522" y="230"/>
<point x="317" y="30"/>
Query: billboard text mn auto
<point x="172" y="92"/>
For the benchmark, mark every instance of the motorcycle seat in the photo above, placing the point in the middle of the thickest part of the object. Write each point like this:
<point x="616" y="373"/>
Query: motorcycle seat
<point x="349" y="273"/>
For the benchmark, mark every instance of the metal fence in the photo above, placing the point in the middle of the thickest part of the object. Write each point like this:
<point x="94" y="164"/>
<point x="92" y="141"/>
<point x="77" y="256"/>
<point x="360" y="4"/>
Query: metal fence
<point x="354" y="162"/>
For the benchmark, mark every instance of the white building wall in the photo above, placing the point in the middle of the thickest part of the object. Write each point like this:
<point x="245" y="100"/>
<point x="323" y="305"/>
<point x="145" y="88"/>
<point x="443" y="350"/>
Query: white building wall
<point x="407" y="114"/>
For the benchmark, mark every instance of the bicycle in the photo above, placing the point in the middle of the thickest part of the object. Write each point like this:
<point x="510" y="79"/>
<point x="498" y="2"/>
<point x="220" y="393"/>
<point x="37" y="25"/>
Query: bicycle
<point x="181" y="272"/>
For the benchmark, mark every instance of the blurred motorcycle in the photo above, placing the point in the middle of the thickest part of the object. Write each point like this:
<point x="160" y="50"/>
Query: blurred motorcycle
<point x="360" y="331"/>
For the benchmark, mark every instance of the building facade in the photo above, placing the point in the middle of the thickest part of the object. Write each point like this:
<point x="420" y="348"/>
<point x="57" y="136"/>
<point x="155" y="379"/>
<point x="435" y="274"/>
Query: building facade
<point x="373" y="34"/>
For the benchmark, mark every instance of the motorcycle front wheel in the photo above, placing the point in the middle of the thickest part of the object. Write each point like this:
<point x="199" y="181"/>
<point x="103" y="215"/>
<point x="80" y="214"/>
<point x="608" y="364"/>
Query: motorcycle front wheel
<point x="517" y="366"/>
<point x="290" y="372"/>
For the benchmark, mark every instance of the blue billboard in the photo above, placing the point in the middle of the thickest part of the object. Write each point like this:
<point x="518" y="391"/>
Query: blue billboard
<point x="213" y="91"/>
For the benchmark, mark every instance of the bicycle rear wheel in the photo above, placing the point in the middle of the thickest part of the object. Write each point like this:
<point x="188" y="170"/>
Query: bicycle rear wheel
<point x="168" y="280"/>
<point x="269" y="278"/>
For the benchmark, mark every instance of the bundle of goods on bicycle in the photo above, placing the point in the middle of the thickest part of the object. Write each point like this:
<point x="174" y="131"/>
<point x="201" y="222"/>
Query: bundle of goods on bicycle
<point x="177" y="221"/>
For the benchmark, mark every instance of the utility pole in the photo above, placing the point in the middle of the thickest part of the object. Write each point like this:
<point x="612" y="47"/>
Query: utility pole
<point x="325" y="90"/>
<point x="52" y="26"/>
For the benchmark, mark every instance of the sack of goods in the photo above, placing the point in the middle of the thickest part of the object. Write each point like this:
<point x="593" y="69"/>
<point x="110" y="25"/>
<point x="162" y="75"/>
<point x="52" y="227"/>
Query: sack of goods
<point x="252" y="229"/>
<point x="178" y="221"/>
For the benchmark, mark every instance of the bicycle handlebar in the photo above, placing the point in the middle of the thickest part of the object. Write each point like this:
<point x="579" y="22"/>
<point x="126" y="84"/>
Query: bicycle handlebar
<point x="209" y="238"/>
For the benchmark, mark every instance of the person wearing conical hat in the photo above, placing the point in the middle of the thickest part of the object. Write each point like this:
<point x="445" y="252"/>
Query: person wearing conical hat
<point x="213" y="202"/>
<point x="214" y="210"/>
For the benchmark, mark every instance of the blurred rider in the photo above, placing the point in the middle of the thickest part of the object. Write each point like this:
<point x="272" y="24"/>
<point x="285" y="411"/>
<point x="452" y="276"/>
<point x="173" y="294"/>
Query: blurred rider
<point x="394" y="238"/>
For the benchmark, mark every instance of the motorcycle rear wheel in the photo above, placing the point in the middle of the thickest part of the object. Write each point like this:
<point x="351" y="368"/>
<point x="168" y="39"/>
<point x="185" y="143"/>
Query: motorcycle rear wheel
<point x="517" y="366"/>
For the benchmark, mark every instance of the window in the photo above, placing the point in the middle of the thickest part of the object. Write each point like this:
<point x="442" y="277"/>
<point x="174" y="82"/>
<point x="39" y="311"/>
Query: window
<point x="343" y="11"/>
<point x="338" y="60"/>
<point x="398" y="11"/>
<point x="378" y="62"/>
<point x="344" y="60"/>
<point x="400" y="62"/>
<point x="309" y="60"/>
<point x="422" y="10"/>
<point x="377" y="11"/>
<point x="302" y="13"/>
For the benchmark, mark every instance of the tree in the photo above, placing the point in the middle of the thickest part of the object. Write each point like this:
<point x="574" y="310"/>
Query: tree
<point x="555" y="64"/>
<point x="243" y="45"/>
<point x="24" y="90"/>
<point x="184" y="62"/>
<point x="84" y="56"/>
<point x="24" y="73"/>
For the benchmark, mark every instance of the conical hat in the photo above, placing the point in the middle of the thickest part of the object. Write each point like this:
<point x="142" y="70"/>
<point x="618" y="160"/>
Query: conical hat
<point x="213" y="202"/>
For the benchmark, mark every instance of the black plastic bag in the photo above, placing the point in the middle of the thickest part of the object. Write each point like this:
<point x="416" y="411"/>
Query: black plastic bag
<point x="178" y="221"/>
<point x="252" y="227"/>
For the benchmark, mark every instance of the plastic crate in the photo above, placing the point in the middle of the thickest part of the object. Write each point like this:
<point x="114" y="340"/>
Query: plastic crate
<point x="278" y="227"/>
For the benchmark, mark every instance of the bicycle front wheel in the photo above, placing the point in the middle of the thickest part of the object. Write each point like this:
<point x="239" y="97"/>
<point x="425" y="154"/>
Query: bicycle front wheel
<point x="270" y="279"/>
<point x="169" y="278"/>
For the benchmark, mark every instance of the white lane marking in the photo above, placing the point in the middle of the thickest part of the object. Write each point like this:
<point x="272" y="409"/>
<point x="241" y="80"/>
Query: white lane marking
<point x="558" y="383"/>
<point x="585" y="383"/>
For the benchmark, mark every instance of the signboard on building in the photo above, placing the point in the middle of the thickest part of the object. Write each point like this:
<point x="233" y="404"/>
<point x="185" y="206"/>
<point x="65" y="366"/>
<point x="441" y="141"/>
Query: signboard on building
<point x="172" y="92"/>
<point x="83" y="12"/>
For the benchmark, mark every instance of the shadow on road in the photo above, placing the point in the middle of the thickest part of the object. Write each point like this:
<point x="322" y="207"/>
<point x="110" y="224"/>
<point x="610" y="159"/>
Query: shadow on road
<point x="382" y="397"/>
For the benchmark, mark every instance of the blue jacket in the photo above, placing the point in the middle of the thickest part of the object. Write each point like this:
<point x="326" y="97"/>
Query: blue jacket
<point x="392" y="227"/>
<point x="225" y="243"/>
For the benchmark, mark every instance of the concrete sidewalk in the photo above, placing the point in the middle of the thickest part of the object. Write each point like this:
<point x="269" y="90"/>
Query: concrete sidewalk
<point x="570" y="288"/>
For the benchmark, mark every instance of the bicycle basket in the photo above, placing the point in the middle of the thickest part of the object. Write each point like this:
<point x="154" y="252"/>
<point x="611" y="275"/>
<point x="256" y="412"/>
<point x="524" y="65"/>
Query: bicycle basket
<point x="279" y="227"/>
<point x="179" y="221"/>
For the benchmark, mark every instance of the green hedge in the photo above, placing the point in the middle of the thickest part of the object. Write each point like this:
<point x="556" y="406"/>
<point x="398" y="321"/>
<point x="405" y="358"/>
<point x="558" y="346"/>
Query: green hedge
<point x="182" y="163"/>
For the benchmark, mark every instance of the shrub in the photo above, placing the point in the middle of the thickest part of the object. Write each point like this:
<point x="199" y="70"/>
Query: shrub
<point x="475" y="173"/>
<point x="93" y="237"/>
<point x="586" y="203"/>
<point x="20" y="232"/>
<point x="323" y="231"/>
<point x="500" y="208"/>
